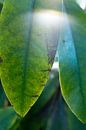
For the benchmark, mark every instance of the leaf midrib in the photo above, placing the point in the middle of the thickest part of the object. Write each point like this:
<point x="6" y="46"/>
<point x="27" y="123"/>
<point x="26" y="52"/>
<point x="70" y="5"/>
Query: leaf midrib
<point x="23" y="87"/>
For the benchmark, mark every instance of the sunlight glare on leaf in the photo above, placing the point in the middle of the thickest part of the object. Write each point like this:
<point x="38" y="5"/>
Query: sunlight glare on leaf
<point x="55" y="69"/>
<point x="55" y="65"/>
<point x="48" y="17"/>
<point x="82" y="4"/>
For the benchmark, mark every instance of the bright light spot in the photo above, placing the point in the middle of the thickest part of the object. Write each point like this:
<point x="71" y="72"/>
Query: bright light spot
<point x="82" y="4"/>
<point x="55" y="66"/>
<point x="51" y="75"/>
<point x="55" y="69"/>
<point x="48" y="17"/>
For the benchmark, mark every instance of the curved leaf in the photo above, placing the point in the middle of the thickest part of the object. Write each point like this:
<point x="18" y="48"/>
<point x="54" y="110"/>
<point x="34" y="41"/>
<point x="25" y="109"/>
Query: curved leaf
<point x="3" y="99"/>
<point x="7" y="118"/>
<point x="73" y="122"/>
<point x="50" y="89"/>
<point x="24" y="52"/>
<point x="72" y="59"/>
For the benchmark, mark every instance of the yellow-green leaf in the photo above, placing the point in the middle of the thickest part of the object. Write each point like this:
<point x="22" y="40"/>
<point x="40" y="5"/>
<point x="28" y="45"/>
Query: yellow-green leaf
<point x="26" y="34"/>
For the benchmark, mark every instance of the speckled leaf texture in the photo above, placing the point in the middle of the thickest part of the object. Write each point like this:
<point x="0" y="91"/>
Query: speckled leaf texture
<point x="23" y="52"/>
<point x="72" y="58"/>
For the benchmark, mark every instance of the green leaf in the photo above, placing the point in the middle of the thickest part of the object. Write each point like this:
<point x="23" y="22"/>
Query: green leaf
<point x="73" y="122"/>
<point x="24" y="49"/>
<point x="72" y="58"/>
<point x="50" y="89"/>
<point x="39" y="119"/>
<point x="38" y="114"/>
<point x="1" y="1"/>
<point x="57" y="119"/>
<point x="7" y="118"/>
<point x="3" y="99"/>
<point x="16" y="124"/>
<point x="1" y="5"/>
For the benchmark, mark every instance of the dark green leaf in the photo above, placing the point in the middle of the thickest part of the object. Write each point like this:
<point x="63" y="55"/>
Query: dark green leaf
<point x="57" y="119"/>
<point x="1" y="5"/>
<point x="73" y="122"/>
<point x="3" y="99"/>
<point x="1" y="1"/>
<point x="72" y="58"/>
<point x="7" y="118"/>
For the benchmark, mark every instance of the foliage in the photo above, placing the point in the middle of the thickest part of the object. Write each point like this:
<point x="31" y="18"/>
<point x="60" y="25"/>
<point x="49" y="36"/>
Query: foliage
<point x="72" y="59"/>
<point x="33" y="88"/>
<point x="7" y="118"/>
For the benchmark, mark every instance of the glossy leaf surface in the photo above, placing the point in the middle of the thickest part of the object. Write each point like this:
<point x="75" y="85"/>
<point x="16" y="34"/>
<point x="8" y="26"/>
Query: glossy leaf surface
<point x="73" y="122"/>
<point x="72" y="58"/>
<point x="24" y="50"/>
